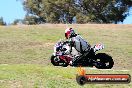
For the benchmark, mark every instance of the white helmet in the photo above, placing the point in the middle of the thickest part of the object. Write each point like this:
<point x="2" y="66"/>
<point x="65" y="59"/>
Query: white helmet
<point x="69" y="32"/>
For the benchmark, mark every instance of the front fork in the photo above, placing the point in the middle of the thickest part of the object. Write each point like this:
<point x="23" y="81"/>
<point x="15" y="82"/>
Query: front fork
<point x="54" y="54"/>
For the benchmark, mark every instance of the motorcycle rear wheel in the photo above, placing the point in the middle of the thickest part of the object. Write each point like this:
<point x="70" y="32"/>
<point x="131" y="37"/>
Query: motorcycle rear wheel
<point x="106" y="61"/>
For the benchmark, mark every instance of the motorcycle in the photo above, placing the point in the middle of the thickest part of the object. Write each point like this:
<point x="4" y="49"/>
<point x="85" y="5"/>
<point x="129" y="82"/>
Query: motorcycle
<point x="62" y="56"/>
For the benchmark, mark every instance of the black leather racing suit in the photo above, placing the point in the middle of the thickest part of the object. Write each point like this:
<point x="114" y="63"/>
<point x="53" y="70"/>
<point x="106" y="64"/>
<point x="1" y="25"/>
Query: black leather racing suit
<point x="80" y="45"/>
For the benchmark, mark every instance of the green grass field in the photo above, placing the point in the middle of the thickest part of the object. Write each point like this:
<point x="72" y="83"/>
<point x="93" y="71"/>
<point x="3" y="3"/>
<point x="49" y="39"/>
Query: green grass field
<point x="25" y="55"/>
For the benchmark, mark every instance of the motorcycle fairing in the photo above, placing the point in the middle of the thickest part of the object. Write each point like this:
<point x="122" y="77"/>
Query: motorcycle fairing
<point x="98" y="47"/>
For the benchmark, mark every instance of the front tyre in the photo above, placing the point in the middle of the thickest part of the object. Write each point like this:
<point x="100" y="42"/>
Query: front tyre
<point x="54" y="60"/>
<point x="104" y="61"/>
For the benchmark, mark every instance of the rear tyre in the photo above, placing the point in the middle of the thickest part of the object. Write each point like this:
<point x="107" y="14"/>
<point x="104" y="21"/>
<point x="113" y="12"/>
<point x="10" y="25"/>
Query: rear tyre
<point x="104" y="61"/>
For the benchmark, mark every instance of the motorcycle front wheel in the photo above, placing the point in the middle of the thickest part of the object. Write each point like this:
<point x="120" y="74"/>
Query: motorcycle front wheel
<point x="56" y="61"/>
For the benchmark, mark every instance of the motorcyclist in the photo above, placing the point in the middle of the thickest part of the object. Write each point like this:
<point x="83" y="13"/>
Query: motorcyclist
<point x="76" y="41"/>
